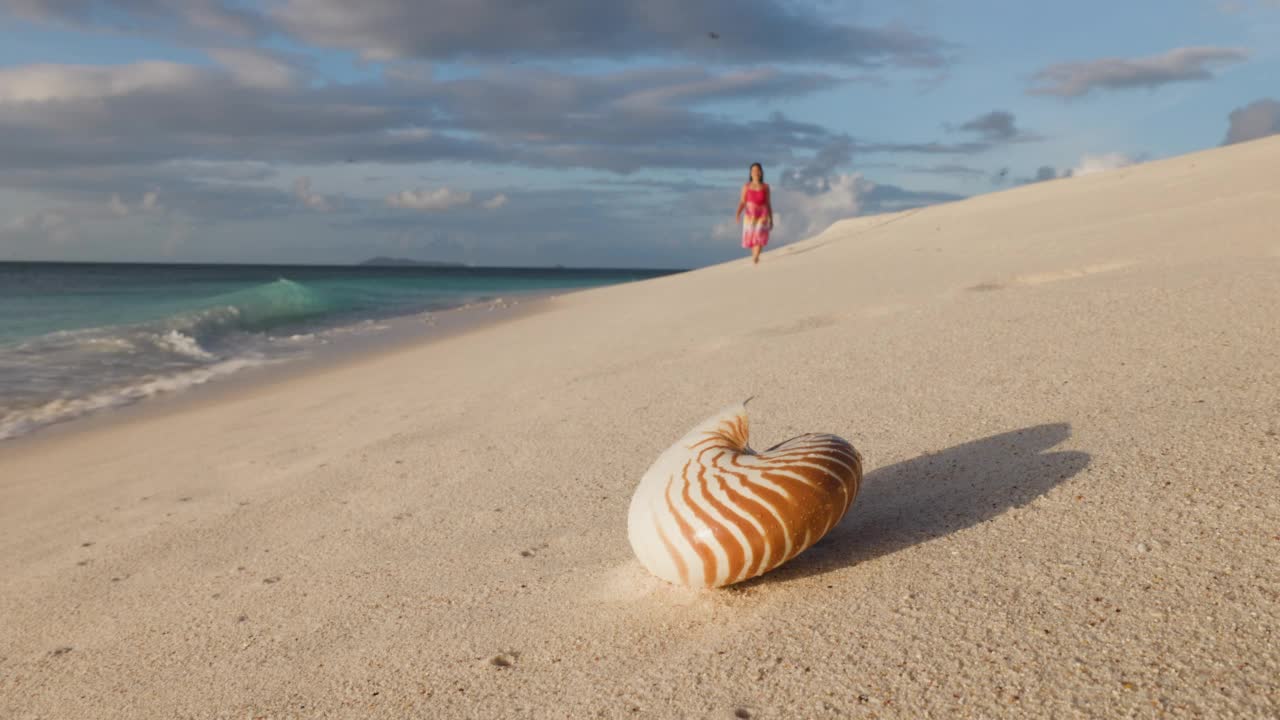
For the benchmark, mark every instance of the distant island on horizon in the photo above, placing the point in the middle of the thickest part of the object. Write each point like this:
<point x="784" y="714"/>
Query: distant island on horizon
<point x="384" y="261"/>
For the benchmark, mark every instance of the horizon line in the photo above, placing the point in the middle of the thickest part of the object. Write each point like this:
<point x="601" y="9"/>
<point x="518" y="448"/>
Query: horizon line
<point x="418" y="264"/>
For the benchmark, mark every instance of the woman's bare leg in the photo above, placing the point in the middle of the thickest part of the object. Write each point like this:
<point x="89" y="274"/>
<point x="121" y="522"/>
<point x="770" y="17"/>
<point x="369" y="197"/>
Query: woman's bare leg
<point x="755" y="254"/>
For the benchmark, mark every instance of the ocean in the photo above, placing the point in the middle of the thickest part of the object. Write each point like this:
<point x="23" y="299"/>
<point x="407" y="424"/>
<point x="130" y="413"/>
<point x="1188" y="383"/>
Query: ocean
<point x="81" y="338"/>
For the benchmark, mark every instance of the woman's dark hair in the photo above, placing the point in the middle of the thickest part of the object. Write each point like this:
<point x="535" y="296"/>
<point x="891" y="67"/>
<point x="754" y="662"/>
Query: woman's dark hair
<point x="755" y="165"/>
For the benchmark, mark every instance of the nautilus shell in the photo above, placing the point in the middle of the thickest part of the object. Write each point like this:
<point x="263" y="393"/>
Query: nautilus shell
<point x="712" y="512"/>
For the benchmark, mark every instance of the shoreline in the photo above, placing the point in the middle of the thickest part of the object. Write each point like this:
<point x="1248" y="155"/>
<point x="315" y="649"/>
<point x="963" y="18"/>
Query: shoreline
<point x="400" y="334"/>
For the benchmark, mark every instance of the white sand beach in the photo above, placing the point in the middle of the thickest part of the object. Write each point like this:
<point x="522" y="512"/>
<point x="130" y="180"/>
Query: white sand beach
<point x="1067" y="396"/>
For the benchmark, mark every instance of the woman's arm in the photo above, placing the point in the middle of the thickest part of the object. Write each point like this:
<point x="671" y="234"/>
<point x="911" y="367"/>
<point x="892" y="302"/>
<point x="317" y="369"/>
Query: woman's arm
<point x="768" y="204"/>
<point x="742" y="202"/>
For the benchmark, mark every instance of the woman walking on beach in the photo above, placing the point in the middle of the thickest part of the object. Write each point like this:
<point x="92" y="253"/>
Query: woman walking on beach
<point x="759" y="213"/>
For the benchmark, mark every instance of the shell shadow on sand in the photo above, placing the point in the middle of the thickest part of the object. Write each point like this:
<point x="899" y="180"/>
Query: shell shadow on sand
<point x="937" y="494"/>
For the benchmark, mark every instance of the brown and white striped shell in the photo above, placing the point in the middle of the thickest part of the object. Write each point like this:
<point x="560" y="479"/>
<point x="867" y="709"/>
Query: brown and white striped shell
<point x="712" y="512"/>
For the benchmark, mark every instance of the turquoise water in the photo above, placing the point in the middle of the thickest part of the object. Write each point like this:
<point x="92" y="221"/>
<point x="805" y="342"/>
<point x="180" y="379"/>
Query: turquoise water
<point x="77" y="338"/>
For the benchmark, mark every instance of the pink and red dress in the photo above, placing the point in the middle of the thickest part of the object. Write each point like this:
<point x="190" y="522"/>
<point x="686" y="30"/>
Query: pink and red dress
<point x="755" y="218"/>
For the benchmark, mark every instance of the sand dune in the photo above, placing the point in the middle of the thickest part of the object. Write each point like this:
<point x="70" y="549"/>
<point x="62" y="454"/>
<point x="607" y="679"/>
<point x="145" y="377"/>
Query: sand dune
<point x="1067" y="395"/>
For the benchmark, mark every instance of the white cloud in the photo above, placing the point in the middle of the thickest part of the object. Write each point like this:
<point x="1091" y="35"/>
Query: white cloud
<point x="725" y="229"/>
<point x="46" y="82"/>
<point x="182" y="19"/>
<point x="1090" y="164"/>
<point x="82" y="229"/>
<point x="59" y="228"/>
<point x="798" y="215"/>
<point x="1087" y="165"/>
<point x="428" y="200"/>
<point x="495" y="202"/>
<point x="315" y="201"/>
<point x="150" y="202"/>
<point x="179" y="233"/>
<point x="54" y="226"/>
<point x="803" y="214"/>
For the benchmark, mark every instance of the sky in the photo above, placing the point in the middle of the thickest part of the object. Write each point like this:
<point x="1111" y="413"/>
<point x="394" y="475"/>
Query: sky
<point x="584" y="133"/>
